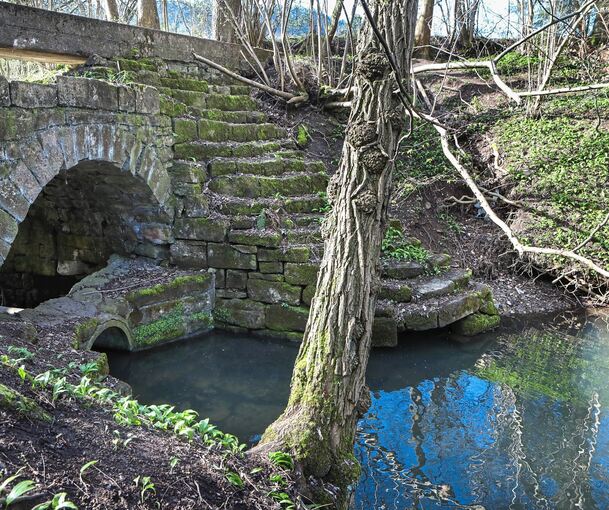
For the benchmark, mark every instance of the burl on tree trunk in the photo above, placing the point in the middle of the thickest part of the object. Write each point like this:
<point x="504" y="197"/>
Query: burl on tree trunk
<point x="328" y="382"/>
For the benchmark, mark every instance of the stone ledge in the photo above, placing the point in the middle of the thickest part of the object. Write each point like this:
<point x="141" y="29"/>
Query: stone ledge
<point x="33" y="95"/>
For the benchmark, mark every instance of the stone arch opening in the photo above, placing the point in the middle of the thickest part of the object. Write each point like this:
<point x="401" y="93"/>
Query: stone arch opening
<point x="81" y="217"/>
<point x="113" y="338"/>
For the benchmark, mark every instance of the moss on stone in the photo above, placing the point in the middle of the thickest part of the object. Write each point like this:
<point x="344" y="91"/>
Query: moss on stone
<point x="185" y="84"/>
<point x="230" y="102"/>
<point x="83" y="332"/>
<point x="179" y="281"/>
<point x="303" y="136"/>
<point x="144" y="64"/>
<point x="172" y="108"/>
<point x="14" y="401"/>
<point x="185" y="130"/>
<point x="476" y="323"/>
<point x="168" y="327"/>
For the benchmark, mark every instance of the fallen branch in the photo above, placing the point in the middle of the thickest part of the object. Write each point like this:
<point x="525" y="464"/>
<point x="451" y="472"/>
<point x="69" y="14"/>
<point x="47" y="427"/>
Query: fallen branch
<point x="479" y="64"/>
<point x="287" y="96"/>
<point x="518" y="246"/>
<point x="564" y="90"/>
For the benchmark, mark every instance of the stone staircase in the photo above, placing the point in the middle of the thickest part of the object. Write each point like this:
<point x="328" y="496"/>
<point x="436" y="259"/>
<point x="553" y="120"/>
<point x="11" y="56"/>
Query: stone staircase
<point x="249" y="205"/>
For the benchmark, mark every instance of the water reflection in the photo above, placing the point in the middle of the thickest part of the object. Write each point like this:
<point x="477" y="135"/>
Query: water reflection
<point x="511" y="421"/>
<point x="520" y="424"/>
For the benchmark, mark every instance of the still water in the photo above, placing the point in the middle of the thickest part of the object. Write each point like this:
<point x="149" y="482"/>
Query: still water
<point x="517" y="419"/>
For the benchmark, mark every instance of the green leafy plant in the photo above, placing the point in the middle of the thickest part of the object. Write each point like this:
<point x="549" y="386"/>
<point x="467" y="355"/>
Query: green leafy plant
<point x="303" y="137"/>
<point x="85" y="468"/>
<point x="19" y="489"/>
<point x="234" y="479"/>
<point x="396" y="246"/>
<point x="22" y="353"/>
<point x="59" y="502"/>
<point x="145" y="485"/>
<point x="282" y="460"/>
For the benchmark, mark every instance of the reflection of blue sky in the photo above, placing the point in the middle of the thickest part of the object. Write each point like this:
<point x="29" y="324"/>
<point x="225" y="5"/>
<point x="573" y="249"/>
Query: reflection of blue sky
<point x="459" y="440"/>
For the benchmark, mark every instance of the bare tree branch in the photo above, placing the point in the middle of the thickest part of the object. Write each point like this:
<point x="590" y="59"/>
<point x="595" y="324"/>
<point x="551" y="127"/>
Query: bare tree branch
<point x="290" y="98"/>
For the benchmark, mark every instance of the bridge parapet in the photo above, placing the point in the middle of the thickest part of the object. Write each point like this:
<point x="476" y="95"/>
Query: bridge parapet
<point x="47" y="36"/>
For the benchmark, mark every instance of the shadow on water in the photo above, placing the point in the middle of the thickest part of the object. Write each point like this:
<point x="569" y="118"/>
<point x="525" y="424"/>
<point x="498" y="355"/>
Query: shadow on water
<point x="517" y="419"/>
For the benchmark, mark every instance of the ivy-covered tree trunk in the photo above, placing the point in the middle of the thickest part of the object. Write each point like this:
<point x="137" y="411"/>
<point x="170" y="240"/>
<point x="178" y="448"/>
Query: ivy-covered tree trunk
<point x="328" y="382"/>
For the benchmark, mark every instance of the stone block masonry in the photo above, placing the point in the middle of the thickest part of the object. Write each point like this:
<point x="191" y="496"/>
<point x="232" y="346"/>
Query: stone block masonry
<point x="179" y="166"/>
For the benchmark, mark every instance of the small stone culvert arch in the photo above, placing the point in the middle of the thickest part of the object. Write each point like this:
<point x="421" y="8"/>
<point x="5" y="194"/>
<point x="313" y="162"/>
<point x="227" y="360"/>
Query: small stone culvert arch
<point x="77" y="195"/>
<point x="113" y="334"/>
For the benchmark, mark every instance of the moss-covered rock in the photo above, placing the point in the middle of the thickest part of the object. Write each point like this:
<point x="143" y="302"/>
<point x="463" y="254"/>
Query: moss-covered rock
<point x="168" y="327"/>
<point x="228" y="256"/>
<point x="475" y="323"/>
<point x="185" y="130"/>
<point x="184" y="83"/>
<point x="14" y="401"/>
<point x="201" y="229"/>
<point x="289" y="254"/>
<point x="273" y="292"/>
<point x="253" y="186"/>
<point x="240" y="312"/>
<point x="83" y="332"/>
<point x="301" y="274"/>
<point x="265" y="238"/>
<point x="230" y="102"/>
<point x="400" y="293"/>
<point x="286" y="318"/>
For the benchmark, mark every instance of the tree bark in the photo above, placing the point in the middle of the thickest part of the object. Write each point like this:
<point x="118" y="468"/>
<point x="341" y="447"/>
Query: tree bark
<point x="111" y="10"/>
<point x="328" y="382"/>
<point x="224" y="12"/>
<point x="338" y="7"/>
<point x="147" y="14"/>
<point x="422" y="33"/>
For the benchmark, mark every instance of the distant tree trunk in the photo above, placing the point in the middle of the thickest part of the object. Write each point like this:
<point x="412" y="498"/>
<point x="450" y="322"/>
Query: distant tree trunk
<point x="465" y="13"/>
<point x="338" y="8"/>
<point x="422" y="33"/>
<point x="224" y="11"/>
<point x="147" y="14"/>
<point x="328" y="382"/>
<point x="111" y="10"/>
<point x="601" y="24"/>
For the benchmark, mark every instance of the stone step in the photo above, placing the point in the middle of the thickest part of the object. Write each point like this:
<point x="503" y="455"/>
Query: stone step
<point x="467" y="313"/>
<point x="407" y="269"/>
<point x="395" y="290"/>
<point x="184" y="83"/>
<point x="266" y="166"/>
<point x="193" y="84"/>
<point x="202" y="151"/>
<point x="304" y="235"/>
<point x="311" y="220"/>
<point x="232" y="206"/>
<point x="239" y="117"/>
<point x="437" y="312"/>
<point x="278" y="221"/>
<point x="266" y="238"/>
<point x="210" y="100"/>
<point x="402" y="269"/>
<point x="219" y="131"/>
<point x="432" y="287"/>
<point x="253" y="186"/>
<point x="234" y="90"/>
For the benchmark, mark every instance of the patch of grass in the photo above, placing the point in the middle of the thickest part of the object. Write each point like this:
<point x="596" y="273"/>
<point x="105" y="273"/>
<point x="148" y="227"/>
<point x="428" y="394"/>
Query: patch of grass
<point x="515" y="63"/>
<point x="420" y="160"/>
<point x="562" y="165"/>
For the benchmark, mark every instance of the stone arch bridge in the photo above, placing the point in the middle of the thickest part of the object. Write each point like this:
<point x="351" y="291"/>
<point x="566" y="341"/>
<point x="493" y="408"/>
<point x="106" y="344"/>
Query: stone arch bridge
<point x="140" y="191"/>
